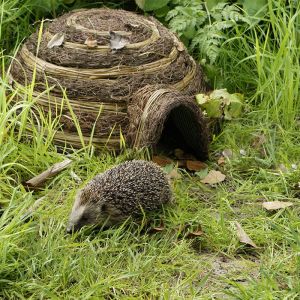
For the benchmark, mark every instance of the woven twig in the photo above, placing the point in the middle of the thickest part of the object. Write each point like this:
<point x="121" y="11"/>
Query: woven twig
<point x="95" y="85"/>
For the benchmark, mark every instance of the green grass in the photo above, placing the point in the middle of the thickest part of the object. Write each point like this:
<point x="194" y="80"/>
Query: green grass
<point x="38" y="260"/>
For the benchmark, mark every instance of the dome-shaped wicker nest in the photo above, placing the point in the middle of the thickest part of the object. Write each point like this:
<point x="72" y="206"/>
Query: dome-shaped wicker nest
<point x="126" y="52"/>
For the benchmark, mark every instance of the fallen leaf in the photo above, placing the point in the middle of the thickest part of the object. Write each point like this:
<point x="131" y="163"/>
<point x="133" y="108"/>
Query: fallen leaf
<point x="202" y="173"/>
<point x="213" y="177"/>
<point x="243" y="237"/>
<point x="91" y="42"/>
<point x="273" y="205"/>
<point x="227" y="153"/>
<point x="162" y="160"/>
<point x="180" y="163"/>
<point x="158" y="229"/>
<point x="258" y="141"/>
<point x="195" y="165"/>
<point x="57" y="40"/>
<point x="195" y="233"/>
<point x="174" y="174"/>
<point x="117" y="41"/>
<point x="180" y="46"/>
<point x="221" y="160"/>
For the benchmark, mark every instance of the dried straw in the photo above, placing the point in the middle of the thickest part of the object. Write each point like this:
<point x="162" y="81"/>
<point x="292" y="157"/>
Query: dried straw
<point x="100" y="82"/>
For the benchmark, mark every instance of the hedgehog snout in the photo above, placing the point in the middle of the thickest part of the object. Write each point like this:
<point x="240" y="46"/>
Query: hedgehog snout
<point x="82" y="215"/>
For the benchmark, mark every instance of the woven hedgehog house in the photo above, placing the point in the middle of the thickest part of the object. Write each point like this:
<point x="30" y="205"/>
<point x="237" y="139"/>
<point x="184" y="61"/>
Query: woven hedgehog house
<point x="125" y="76"/>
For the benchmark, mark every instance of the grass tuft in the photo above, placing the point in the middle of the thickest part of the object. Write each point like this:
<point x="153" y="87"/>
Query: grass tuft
<point x="38" y="260"/>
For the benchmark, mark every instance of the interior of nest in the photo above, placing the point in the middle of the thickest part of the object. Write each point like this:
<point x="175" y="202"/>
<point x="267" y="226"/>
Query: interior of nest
<point x="182" y="128"/>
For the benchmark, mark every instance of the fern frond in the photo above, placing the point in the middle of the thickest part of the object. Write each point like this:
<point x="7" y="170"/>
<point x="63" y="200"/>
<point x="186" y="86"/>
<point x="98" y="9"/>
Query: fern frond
<point x="224" y="24"/>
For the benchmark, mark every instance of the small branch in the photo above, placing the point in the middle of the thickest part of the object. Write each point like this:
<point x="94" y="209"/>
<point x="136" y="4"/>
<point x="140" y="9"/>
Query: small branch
<point x="38" y="180"/>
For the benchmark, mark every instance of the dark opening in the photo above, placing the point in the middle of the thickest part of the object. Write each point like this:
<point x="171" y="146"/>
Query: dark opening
<point x="182" y="130"/>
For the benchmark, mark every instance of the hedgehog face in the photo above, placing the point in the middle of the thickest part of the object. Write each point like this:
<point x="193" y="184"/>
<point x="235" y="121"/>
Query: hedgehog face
<point x="85" y="213"/>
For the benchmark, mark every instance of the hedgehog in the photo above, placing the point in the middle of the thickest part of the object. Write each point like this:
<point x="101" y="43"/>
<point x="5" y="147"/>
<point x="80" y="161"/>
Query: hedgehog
<point x="127" y="190"/>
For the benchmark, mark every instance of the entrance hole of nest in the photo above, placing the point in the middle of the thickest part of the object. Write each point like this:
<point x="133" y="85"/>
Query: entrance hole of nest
<point x="181" y="130"/>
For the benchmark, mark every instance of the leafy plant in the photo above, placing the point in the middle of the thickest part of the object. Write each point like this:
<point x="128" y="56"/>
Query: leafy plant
<point x="221" y="104"/>
<point x="205" y="30"/>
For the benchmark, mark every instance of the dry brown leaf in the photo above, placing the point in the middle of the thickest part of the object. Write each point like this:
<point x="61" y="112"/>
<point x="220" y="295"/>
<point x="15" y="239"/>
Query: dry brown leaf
<point x="162" y="160"/>
<point x="181" y="163"/>
<point x="91" y="42"/>
<point x="157" y="229"/>
<point x="117" y="41"/>
<point x="213" y="177"/>
<point x="195" y="233"/>
<point x="273" y="205"/>
<point x="258" y="141"/>
<point x="195" y="165"/>
<point x="57" y="40"/>
<point x="174" y="174"/>
<point x="221" y="160"/>
<point x="160" y="227"/>
<point x="180" y="46"/>
<point x="243" y="237"/>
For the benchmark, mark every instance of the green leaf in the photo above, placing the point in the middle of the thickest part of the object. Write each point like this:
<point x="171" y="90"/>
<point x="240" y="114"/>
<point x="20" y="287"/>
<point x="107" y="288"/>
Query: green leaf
<point x="213" y="108"/>
<point x="202" y="98"/>
<point x="235" y="107"/>
<point x="147" y="5"/>
<point x="220" y="102"/>
<point x="202" y="173"/>
<point x="219" y="94"/>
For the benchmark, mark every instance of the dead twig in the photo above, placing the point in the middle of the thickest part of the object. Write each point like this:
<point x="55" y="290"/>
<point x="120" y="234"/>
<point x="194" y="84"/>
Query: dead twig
<point x="37" y="181"/>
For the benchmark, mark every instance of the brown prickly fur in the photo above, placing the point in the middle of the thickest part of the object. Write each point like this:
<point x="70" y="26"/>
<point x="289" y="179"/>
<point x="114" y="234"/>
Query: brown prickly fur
<point x="130" y="185"/>
<point x="128" y="189"/>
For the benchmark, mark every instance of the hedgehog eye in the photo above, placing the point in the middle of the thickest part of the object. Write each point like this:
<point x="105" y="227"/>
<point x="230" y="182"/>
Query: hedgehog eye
<point x="84" y="218"/>
<point x="103" y="207"/>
